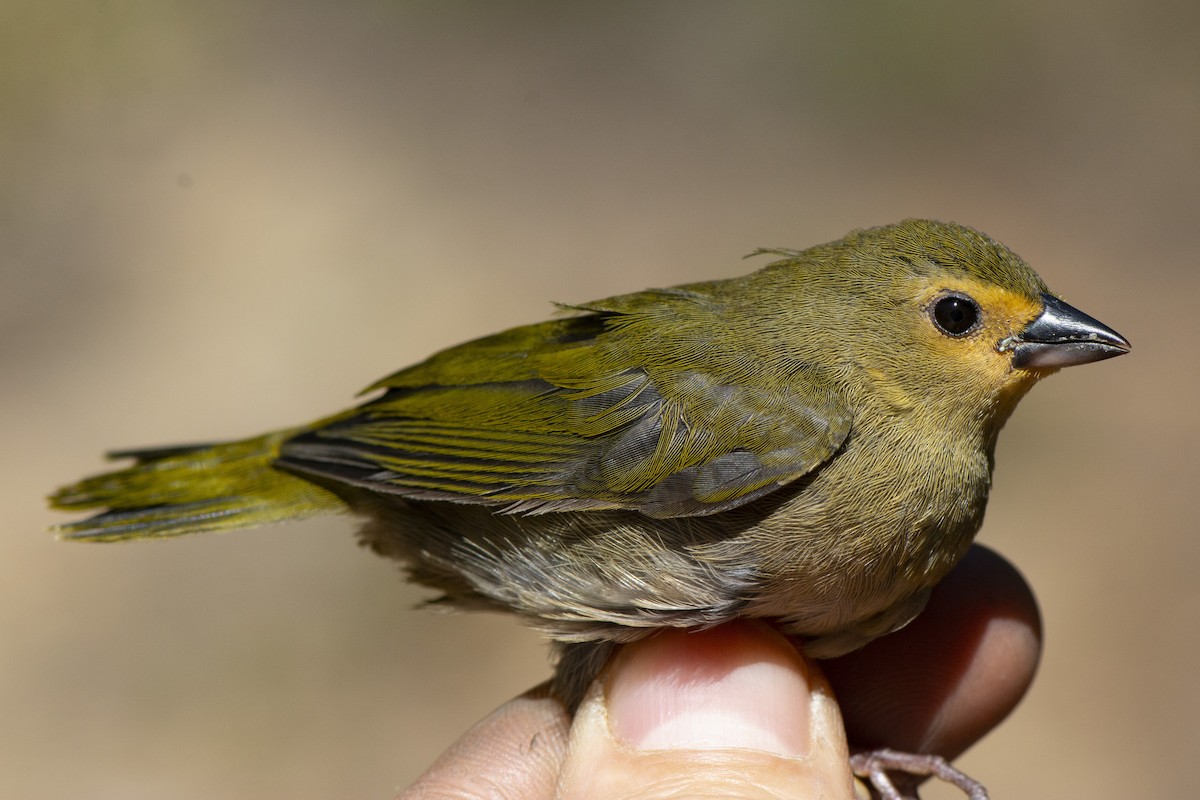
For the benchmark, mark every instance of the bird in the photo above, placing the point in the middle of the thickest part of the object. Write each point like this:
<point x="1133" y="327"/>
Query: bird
<point x="810" y="444"/>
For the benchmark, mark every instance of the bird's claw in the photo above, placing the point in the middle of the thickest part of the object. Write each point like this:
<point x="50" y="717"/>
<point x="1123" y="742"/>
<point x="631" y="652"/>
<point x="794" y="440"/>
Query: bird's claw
<point x="873" y="766"/>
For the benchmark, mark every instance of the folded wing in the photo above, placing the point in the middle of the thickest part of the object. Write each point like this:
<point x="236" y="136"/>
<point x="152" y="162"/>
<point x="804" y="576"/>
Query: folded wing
<point x="644" y="402"/>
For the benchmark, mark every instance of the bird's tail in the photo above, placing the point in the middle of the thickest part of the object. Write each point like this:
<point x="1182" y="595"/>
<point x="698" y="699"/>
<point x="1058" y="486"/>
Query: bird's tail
<point x="176" y="490"/>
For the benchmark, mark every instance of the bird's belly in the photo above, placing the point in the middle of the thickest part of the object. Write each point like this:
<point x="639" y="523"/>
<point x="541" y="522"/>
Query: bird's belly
<point x="840" y="569"/>
<point x="803" y="556"/>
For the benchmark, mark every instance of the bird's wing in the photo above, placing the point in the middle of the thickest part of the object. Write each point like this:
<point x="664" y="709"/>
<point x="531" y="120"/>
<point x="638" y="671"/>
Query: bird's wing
<point x="633" y="405"/>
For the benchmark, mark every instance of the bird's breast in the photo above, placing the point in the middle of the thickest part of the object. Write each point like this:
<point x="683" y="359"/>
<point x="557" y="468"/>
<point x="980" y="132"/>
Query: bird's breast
<point x="860" y="545"/>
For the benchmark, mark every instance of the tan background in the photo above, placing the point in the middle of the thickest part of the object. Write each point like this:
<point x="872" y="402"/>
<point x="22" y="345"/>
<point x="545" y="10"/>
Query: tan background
<point x="217" y="218"/>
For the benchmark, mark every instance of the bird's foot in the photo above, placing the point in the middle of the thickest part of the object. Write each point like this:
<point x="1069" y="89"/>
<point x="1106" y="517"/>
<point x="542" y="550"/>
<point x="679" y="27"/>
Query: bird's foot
<point x="874" y="766"/>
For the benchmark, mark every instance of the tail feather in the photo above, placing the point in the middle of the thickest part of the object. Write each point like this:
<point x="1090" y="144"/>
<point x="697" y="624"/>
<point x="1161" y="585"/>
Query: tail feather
<point x="171" y="491"/>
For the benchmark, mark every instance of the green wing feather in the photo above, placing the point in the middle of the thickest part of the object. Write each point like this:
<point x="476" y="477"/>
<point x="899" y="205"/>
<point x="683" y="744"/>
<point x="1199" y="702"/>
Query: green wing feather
<point x="650" y="402"/>
<point x="645" y="402"/>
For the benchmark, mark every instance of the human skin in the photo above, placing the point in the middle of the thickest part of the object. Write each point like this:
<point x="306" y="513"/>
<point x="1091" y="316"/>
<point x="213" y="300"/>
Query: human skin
<point x="738" y="711"/>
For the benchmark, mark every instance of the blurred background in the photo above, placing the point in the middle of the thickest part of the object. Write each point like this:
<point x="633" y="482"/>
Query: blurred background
<point x="218" y="218"/>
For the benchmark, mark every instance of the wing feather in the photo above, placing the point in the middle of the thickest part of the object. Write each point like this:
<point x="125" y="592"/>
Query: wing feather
<point x="594" y="412"/>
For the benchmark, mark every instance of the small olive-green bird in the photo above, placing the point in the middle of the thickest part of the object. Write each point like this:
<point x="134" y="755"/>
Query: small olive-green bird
<point x="811" y="443"/>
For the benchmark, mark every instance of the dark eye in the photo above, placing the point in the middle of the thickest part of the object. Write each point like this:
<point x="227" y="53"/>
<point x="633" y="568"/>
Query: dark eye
<point x="955" y="314"/>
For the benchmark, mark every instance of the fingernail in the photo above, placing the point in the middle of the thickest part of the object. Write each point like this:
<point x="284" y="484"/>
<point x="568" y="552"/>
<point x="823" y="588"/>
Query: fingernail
<point x="740" y="685"/>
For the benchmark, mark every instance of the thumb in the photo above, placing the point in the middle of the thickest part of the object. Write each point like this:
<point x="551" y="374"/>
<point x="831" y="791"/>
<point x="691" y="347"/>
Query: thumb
<point x="734" y="711"/>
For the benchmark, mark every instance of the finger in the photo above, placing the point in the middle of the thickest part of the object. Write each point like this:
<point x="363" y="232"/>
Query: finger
<point x="734" y="711"/>
<point x="954" y="673"/>
<point x="516" y="752"/>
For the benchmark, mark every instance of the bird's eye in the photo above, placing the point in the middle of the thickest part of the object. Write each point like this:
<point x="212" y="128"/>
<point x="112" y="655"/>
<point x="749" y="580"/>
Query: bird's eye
<point x="955" y="314"/>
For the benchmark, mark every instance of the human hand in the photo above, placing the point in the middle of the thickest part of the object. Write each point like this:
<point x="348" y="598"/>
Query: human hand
<point x="737" y="711"/>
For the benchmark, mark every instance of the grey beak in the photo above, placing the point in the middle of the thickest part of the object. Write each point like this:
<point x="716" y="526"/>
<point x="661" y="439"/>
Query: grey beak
<point x="1062" y="336"/>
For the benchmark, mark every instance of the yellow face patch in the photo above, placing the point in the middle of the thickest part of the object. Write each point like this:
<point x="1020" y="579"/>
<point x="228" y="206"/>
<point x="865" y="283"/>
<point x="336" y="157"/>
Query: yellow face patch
<point x="1001" y="314"/>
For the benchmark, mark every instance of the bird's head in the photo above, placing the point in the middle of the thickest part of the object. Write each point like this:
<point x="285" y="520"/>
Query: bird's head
<point x="943" y="320"/>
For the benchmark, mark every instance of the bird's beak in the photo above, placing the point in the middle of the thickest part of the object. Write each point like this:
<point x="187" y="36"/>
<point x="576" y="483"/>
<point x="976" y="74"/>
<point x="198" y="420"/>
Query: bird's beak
<point x="1062" y="336"/>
